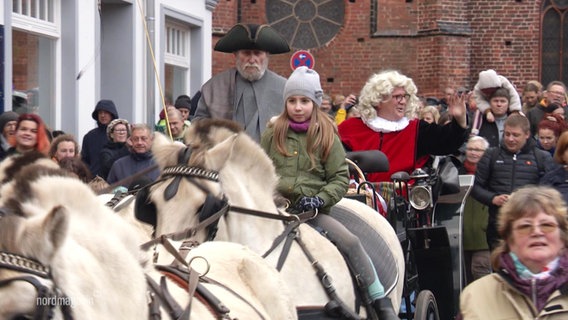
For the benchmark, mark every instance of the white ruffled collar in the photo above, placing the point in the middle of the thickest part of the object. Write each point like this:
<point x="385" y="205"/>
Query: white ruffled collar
<point x="382" y="125"/>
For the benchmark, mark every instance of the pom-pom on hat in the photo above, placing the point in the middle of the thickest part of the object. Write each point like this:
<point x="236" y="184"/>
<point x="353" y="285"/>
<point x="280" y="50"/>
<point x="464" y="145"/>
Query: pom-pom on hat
<point x="252" y="37"/>
<point x="488" y="82"/>
<point x="304" y="82"/>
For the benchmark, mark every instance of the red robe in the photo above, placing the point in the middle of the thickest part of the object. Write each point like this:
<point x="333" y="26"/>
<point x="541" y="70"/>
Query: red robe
<point x="399" y="147"/>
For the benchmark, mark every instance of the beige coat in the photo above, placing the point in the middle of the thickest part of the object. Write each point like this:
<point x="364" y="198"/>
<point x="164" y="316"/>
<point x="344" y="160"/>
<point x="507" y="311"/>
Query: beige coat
<point x="491" y="297"/>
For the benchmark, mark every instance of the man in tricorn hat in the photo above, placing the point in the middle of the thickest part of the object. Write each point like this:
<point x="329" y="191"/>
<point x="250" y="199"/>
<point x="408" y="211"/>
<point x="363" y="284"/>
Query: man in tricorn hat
<point x="249" y="93"/>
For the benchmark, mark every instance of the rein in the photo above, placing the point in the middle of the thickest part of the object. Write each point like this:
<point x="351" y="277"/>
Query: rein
<point x="47" y="299"/>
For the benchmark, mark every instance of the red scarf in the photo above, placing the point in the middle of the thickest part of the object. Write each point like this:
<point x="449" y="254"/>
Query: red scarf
<point x="469" y="167"/>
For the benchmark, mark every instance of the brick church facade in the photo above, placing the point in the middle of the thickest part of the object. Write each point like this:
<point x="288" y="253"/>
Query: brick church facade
<point x="438" y="43"/>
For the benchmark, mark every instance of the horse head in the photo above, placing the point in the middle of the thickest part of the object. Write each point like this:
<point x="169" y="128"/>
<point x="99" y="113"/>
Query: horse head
<point x="27" y="247"/>
<point x="64" y="251"/>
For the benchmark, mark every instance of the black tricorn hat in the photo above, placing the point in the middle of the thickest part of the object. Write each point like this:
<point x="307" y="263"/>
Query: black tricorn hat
<point x="252" y="37"/>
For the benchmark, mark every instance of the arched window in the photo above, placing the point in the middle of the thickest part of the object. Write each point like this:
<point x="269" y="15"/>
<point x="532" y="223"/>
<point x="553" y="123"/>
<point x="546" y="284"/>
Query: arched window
<point x="554" y="46"/>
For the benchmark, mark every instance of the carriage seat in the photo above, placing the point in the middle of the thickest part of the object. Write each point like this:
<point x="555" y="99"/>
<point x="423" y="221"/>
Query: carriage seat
<point x="369" y="160"/>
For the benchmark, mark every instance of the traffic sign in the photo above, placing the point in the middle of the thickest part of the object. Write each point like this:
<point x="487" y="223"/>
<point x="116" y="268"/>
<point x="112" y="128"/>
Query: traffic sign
<point x="302" y="58"/>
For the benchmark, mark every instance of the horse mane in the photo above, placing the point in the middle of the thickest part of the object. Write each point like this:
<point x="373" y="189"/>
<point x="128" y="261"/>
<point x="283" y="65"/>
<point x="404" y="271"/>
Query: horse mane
<point x="15" y="163"/>
<point x="203" y="127"/>
<point x="28" y="174"/>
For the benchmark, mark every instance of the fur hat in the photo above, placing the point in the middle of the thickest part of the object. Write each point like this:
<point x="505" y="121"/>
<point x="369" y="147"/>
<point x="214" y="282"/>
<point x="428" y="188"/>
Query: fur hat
<point x="488" y="82"/>
<point x="6" y="117"/>
<point x="304" y="82"/>
<point x="113" y="123"/>
<point x="252" y="37"/>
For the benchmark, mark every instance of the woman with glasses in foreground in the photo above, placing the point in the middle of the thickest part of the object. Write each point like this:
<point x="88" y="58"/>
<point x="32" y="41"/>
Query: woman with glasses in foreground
<point x="530" y="279"/>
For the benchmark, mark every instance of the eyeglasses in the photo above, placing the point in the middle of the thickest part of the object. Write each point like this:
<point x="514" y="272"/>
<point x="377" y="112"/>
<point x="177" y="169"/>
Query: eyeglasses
<point x="557" y="93"/>
<point x="475" y="150"/>
<point x="528" y="228"/>
<point x="137" y="139"/>
<point x="398" y="97"/>
<point x="120" y="130"/>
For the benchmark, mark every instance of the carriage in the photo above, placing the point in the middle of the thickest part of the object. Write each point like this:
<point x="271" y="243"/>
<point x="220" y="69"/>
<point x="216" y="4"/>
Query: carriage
<point x="425" y="208"/>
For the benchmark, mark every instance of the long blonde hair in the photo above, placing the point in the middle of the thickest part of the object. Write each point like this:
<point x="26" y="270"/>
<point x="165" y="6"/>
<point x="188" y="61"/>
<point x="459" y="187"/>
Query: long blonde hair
<point x="320" y="135"/>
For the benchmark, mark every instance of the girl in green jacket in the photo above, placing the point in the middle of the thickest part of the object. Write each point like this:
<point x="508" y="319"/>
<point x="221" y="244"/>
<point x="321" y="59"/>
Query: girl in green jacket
<point x="310" y="160"/>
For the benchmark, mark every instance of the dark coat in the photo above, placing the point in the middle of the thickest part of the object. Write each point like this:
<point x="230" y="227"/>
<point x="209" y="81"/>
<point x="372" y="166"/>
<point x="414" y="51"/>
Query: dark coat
<point x="509" y="171"/>
<point x="558" y="179"/>
<point x="96" y="139"/>
<point x="490" y="132"/>
<point x="131" y="164"/>
<point x="111" y="152"/>
<point x="537" y="113"/>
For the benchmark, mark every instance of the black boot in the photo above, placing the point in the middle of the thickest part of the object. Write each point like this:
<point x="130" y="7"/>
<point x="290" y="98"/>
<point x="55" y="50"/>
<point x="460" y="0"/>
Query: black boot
<point x="384" y="309"/>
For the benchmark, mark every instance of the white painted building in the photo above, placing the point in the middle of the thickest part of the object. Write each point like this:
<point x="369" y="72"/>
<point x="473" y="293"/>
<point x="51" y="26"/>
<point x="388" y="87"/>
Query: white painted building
<point x="62" y="56"/>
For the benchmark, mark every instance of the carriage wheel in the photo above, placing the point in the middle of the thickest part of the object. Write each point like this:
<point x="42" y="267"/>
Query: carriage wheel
<point x="426" y="306"/>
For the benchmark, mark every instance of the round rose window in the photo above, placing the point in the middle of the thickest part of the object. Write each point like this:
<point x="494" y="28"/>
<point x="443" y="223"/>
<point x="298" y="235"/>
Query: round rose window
<point x="306" y="24"/>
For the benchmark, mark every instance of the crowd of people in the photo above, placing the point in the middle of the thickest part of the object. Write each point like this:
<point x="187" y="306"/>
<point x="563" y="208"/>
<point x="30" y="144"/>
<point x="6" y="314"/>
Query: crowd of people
<point x="113" y="156"/>
<point x="510" y="143"/>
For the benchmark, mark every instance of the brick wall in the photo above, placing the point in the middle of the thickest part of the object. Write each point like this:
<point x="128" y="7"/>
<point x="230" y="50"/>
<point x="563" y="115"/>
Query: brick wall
<point x="438" y="43"/>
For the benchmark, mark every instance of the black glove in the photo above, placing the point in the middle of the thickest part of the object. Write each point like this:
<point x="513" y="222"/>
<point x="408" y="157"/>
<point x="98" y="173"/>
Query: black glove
<point x="309" y="203"/>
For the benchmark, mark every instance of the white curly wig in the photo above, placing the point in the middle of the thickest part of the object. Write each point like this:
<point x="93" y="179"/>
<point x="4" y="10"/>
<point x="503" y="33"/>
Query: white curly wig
<point x="379" y="88"/>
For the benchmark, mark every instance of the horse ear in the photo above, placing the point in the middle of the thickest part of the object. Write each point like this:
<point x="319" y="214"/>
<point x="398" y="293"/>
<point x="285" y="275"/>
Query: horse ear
<point x="164" y="151"/>
<point x="43" y="235"/>
<point x="220" y="153"/>
<point x="55" y="226"/>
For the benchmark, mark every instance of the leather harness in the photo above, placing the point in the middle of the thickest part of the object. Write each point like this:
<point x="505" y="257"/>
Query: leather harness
<point x="290" y="233"/>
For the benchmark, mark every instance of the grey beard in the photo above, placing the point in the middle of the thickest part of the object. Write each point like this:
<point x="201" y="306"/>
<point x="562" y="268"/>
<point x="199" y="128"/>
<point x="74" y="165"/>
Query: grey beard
<point x="252" y="76"/>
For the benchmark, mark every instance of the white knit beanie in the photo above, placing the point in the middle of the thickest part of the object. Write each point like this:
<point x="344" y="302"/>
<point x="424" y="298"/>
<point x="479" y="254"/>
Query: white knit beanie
<point x="304" y="82"/>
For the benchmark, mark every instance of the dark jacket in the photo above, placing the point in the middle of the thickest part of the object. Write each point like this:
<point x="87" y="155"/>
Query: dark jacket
<point x="96" y="139"/>
<point x="111" y="152"/>
<point x="490" y="132"/>
<point x="509" y="171"/>
<point x="131" y="164"/>
<point x="537" y="113"/>
<point x="558" y="179"/>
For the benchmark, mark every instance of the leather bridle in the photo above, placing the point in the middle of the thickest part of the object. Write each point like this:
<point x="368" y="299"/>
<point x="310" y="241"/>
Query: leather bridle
<point x="47" y="298"/>
<point x="33" y="271"/>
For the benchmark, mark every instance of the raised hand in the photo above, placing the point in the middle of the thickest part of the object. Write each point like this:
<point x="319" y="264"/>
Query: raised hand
<point x="457" y="108"/>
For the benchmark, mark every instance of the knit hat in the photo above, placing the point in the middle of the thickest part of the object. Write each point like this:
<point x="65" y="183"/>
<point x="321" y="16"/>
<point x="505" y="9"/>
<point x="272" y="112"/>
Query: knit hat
<point x="113" y="123"/>
<point x="304" y="82"/>
<point x="7" y="117"/>
<point x="183" y="103"/>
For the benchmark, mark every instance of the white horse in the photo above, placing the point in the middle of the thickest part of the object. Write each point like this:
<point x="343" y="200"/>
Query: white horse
<point x="55" y="234"/>
<point x="247" y="179"/>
